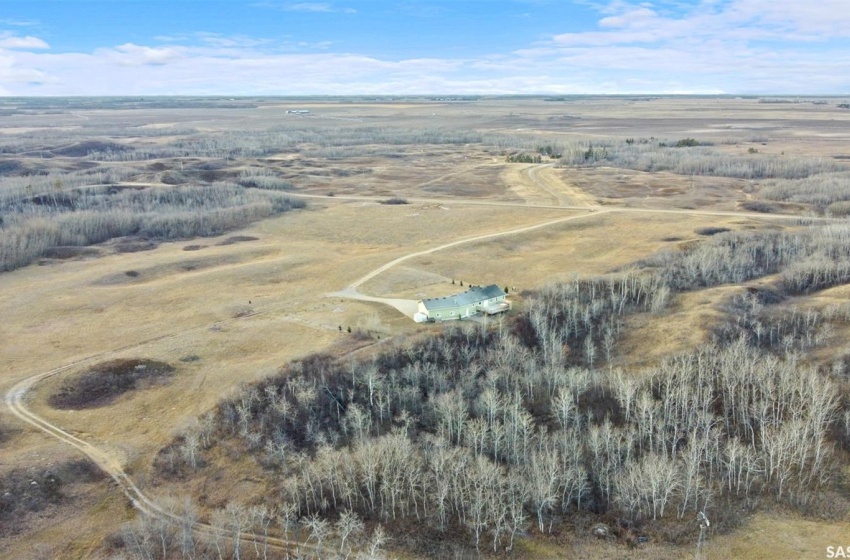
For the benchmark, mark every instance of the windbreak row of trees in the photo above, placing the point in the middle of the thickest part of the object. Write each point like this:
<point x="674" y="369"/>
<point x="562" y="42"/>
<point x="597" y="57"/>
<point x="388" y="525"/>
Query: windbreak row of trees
<point x="47" y="142"/>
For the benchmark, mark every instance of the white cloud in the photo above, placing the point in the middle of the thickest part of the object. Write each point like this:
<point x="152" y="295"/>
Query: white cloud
<point x="634" y="17"/>
<point x="666" y="46"/>
<point x="231" y="41"/>
<point x="823" y="18"/>
<point x="12" y="74"/>
<point x="735" y="45"/>
<point x="130" y="54"/>
<point x="309" y="7"/>
<point x="644" y="22"/>
<point x="9" y="41"/>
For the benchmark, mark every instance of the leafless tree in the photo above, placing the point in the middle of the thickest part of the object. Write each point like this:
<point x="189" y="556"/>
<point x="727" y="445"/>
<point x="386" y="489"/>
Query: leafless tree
<point x="348" y="526"/>
<point x="319" y="529"/>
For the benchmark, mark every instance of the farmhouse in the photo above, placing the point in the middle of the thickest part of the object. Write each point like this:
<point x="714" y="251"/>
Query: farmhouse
<point x="487" y="300"/>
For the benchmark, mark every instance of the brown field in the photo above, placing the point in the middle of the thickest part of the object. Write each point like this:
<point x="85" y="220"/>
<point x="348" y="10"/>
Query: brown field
<point x="228" y="314"/>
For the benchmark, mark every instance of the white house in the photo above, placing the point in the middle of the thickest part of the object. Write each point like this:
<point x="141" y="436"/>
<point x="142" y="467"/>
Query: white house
<point x="488" y="300"/>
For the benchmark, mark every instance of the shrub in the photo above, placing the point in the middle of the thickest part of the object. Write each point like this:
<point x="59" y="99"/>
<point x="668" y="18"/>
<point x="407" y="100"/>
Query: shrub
<point x="756" y="206"/>
<point x="33" y="490"/>
<point x="65" y="252"/>
<point x="523" y="158"/>
<point x="687" y="143"/>
<point x="394" y="200"/>
<point x="173" y="178"/>
<point x="104" y="382"/>
<point x="708" y="231"/>
<point x="237" y="239"/>
<point x="839" y="209"/>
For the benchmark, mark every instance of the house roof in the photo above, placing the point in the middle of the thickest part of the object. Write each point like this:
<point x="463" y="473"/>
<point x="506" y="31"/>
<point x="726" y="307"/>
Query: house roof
<point x="471" y="296"/>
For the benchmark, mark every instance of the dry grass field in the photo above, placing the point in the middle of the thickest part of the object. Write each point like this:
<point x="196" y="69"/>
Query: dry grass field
<point x="225" y="314"/>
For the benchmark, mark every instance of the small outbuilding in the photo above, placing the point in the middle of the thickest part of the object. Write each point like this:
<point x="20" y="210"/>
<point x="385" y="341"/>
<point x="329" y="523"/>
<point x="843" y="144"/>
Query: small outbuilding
<point x="486" y="300"/>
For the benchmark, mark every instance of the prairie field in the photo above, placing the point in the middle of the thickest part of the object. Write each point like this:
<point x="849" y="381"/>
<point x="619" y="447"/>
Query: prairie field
<point x="258" y="254"/>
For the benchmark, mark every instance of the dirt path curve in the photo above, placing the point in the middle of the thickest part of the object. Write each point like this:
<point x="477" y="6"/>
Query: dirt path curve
<point x="565" y="197"/>
<point x="15" y="398"/>
<point x="409" y="307"/>
<point x="15" y="402"/>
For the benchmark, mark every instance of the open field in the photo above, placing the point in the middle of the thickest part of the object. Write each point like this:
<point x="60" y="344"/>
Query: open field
<point x="230" y="305"/>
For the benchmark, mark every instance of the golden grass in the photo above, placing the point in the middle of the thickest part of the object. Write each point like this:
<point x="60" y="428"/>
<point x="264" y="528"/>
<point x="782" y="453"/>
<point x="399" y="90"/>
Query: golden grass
<point x="596" y="244"/>
<point x="769" y="536"/>
<point x="56" y="314"/>
<point x="199" y="300"/>
<point x="76" y="527"/>
<point x="684" y="325"/>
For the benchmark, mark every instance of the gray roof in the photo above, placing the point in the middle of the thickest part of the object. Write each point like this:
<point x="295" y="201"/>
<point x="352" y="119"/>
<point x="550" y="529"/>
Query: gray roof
<point x="471" y="296"/>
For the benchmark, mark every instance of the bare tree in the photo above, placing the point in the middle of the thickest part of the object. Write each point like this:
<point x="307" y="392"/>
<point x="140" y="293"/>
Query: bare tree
<point x="238" y="521"/>
<point x="319" y="529"/>
<point x="348" y="526"/>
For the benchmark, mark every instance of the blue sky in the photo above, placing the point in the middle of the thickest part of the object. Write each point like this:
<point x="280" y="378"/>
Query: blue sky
<point x="280" y="47"/>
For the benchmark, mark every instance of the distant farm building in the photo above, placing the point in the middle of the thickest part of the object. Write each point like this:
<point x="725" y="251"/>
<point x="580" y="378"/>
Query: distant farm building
<point x="487" y="300"/>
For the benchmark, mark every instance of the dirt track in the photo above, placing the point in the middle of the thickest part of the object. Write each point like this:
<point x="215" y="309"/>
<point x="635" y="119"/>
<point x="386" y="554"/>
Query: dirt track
<point x="566" y="197"/>
<point x="15" y="401"/>
<point x="409" y="307"/>
<point x="15" y="398"/>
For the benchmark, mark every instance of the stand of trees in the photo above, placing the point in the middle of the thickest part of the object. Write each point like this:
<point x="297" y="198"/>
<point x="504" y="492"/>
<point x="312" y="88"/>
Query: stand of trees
<point x="688" y="157"/>
<point x="492" y="432"/>
<point x="808" y="260"/>
<point x="523" y="158"/>
<point x="826" y="192"/>
<point x="86" y="216"/>
<point x="231" y="529"/>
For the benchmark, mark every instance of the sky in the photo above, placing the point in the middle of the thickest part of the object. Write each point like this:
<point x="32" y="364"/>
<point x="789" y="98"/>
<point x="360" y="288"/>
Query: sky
<point x="429" y="47"/>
